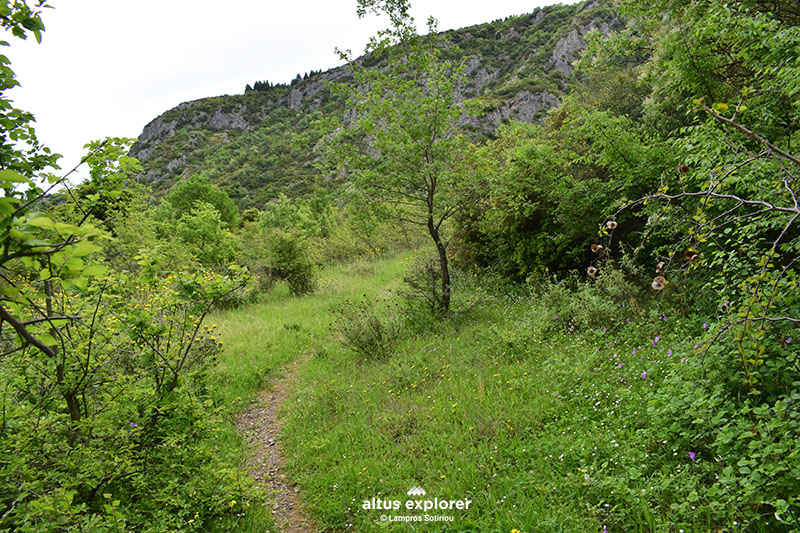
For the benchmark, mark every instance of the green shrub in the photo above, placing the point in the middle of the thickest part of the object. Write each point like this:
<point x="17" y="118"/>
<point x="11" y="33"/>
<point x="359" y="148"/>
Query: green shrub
<point x="288" y="259"/>
<point x="362" y="329"/>
<point x="608" y="299"/>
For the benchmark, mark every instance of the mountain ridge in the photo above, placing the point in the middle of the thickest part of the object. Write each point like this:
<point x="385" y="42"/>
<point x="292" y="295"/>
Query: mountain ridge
<point x="259" y="144"/>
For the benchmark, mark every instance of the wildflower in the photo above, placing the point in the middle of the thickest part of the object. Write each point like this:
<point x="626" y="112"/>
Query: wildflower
<point x="619" y="365"/>
<point x="611" y="224"/>
<point x="555" y="316"/>
<point x="705" y="326"/>
<point x="789" y="340"/>
<point x="659" y="282"/>
<point x="644" y="374"/>
<point x="669" y="353"/>
<point x="515" y="530"/>
<point x="692" y="455"/>
<point x="591" y="271"/>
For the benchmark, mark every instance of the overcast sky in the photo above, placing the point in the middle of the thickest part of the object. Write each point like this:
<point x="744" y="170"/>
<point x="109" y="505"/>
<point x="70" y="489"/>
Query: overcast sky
<point x="108" y="67"/>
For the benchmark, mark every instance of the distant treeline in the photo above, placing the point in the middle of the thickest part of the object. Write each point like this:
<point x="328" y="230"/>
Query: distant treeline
<point x="266" y="86"/>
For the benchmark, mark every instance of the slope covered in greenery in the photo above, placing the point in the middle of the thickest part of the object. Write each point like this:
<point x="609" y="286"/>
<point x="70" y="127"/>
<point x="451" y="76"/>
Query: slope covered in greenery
<point x="588" y="323"/>
<point x="261" y="143"/>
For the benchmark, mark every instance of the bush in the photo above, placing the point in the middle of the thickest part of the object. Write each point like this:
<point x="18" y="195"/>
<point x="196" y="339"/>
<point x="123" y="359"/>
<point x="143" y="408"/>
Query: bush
<point x="362" y="329"/>
<point x="288" y="259"/>
<point x="610" y="298"/>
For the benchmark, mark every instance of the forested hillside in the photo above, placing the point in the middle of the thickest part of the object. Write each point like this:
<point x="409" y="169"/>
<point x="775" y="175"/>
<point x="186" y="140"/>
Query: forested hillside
<point x="261" y="143"/>
<point x="462" y="284"/>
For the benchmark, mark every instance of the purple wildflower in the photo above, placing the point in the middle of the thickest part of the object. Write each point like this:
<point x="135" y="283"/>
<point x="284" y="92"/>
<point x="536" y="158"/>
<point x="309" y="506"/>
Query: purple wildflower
<point x="705" y="326"/>
<point x="669" y="353"/>
<point x="644" y="374"/>
<point x="619" y="365"/>
<point x="692" y="455"/>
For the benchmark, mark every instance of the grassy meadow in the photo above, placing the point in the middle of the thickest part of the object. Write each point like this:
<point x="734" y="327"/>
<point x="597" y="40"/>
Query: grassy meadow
<point x="536" y="423"/>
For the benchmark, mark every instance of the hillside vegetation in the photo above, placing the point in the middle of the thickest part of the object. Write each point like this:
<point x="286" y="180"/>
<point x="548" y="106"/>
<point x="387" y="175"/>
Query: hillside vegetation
<point x="260" y="144"/>
<point x="583" y="320"/>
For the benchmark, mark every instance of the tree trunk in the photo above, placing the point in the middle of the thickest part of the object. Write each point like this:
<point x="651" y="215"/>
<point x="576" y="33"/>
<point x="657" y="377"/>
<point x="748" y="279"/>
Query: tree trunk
<point x="444" y="303"/>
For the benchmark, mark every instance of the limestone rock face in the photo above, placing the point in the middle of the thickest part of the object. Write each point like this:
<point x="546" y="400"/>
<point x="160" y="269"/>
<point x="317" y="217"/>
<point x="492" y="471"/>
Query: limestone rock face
<point x="566" y="51"/>
<point x="520" y="67"/>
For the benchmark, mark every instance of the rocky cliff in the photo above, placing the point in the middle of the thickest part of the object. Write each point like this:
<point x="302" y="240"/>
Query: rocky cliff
<point x="261" y="143"/>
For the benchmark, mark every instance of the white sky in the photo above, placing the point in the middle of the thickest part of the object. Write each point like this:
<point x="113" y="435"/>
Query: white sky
<point x="108" y="67"/>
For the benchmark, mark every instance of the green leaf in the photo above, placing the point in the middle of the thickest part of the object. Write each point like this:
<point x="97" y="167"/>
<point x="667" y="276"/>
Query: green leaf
<point x="95" y="270"/>
<point x="7" y="205"/>
<point x="12" y="176"/>
<point x="75" y="264"/>
<point x="42" y="222"/>
<point x="11" y="292"/>
<point x="84" y="248"/>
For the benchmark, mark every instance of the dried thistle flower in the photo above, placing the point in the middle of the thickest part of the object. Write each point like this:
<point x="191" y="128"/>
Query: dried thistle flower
<point x="611" y="224"/>
<point x="660" y="267"/>
<point x="591" y="271"/>
<point x="690" y="254"/>
<point x="682" y="168"/>
<point x="659" y="282"/>
<point x="597" y="247"/>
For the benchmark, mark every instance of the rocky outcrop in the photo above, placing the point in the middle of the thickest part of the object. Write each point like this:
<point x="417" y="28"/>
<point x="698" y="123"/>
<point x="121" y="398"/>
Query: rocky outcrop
<point x="228" y="120"/>
<point x="566" y="51"/>
<point x="521" y="66"/>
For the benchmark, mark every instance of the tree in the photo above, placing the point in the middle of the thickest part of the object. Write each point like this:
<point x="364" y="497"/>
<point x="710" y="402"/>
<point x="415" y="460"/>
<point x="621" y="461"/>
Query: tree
<point x="401" y="150"/>
<point x="185" y="195"/>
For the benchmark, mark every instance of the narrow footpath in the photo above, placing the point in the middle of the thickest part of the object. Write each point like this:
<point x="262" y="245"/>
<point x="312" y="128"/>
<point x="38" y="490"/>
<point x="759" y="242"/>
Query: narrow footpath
<point x="261" y="426"/>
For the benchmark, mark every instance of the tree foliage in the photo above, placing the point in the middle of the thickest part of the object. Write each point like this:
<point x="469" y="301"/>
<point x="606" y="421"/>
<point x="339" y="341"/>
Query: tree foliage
<point x="401" y="149"/>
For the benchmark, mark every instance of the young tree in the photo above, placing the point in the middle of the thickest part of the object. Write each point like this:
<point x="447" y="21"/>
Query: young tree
<point x="401" y="149"/>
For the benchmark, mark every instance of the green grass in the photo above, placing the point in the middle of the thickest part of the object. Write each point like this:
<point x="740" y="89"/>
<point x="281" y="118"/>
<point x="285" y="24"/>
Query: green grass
<point x="259" y="339"/>
<point x="542" y="428"/>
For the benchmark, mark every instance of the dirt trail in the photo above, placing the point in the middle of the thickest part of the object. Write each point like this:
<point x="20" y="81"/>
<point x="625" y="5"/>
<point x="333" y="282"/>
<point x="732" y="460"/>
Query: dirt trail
<point x="261" y="427"/>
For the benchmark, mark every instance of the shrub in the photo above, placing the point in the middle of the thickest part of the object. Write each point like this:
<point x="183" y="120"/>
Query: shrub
<point x="288" y="259"/>
<point x="606" y="300"/>
<point x="363" y="330"/>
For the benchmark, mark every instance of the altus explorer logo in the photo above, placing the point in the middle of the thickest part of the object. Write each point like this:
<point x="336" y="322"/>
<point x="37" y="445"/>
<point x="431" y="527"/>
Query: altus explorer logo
<point x="436" y="504"/>
<point x="416" y="491"/>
